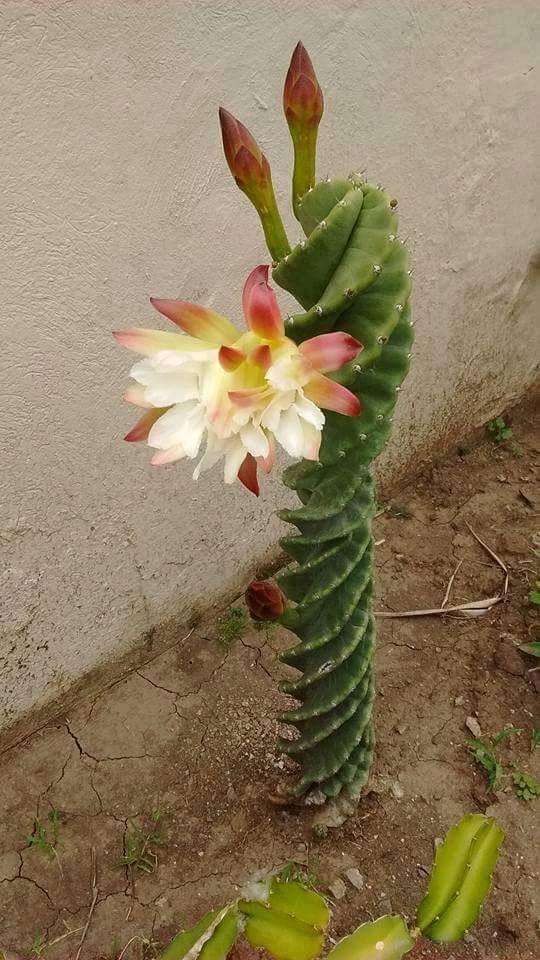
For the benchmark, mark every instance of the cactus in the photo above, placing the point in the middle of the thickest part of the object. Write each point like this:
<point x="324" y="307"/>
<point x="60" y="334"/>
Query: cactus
<point x="461" y="878"/>
<point x="288" y="921"/>
<point x="350" y="273"/>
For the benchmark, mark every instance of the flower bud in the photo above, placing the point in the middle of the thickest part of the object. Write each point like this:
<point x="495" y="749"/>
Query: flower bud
<point x="251" y="171"/>
<point x="246" y="160"/>
<point x="264" y="600"/>
<point x="303" y="104"/>
<point x="302" y="96"/>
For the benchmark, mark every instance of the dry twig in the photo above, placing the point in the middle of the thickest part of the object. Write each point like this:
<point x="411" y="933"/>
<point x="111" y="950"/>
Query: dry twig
<point x="92" y="905"/>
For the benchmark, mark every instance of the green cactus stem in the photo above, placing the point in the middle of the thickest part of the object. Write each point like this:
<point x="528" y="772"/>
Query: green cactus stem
<point x="387" y="938"/>
<point x="351" y="274"/>
<point x="461" y="878"/>
<point x="212" y="938"/>
<point x="291" y="925"/>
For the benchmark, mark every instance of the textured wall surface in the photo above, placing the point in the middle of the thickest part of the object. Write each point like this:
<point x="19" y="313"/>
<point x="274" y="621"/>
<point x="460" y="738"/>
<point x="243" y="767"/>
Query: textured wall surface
<point x="114" y="188"/>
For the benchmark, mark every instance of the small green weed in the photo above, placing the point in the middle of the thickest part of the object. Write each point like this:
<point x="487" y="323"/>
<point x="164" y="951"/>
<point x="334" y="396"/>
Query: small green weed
<point x="533" y="648"/>
<point x="45" y="838"/>
<point x="483" y="752"/>
<point x="39" y="945"/>
<point x="498" y="430"/>
<point x="232" y="625"/>
<point x="526" y="786"/>
<point x="296" y="872"/>
<point x="534" y="595"/>
<point x="140" y="842"/>
<point x="535" y="738"/>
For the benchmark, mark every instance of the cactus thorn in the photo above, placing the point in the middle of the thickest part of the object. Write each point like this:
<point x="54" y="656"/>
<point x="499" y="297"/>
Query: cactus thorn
<point x="393" y="203"/>
<point x="357" y="368"/>
<point x="323" y="224"/>
<point x="349" y="293"/>
<point x="398" y="389"/>
<point x="399" y="307"/>
<point x="319" y="310"/>
<point x="392" y="237"/>
<point x="376" y="268"/>
<point x="363" y="436"/>
<point x="342" y="453"/>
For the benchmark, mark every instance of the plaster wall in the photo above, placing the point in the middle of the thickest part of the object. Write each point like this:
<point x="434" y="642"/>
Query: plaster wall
<point x="114" y="187"/>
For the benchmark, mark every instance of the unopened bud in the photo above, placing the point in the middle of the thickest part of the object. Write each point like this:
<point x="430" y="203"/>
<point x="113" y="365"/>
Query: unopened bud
<point x="264" y="599"/>
<point x="302" y="96"/>
<point x="251" y="171"/>
<point x="303" y="104"/>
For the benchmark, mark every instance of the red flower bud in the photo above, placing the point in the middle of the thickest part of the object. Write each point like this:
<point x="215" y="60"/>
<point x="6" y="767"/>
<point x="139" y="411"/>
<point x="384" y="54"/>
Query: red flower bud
<point x="264" y="600"/>
<point x="247" y="162"/>
<point x="302" y="96"/>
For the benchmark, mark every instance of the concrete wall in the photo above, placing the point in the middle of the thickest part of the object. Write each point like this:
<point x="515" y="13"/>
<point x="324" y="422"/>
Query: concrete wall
<point x="114" y="187"/>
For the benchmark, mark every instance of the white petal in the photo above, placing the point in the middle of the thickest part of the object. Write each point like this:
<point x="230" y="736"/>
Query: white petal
<point x="168" y="456"/>
<point x="234" y="459"/>
<point x="312" y="442"/>
<point x="182" y="424"/>
<point x="290" y="432"/>
<point x="309" y="411"/>
<point x="254" y="440"/>
<point x="167" y="388"/>
<point x="271" y="415"/>
<point x="214" y="451"/>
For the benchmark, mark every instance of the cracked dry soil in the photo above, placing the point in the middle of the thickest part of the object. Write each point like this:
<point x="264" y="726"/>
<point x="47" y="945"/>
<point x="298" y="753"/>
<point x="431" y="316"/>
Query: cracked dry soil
<point x="192" y="734"/>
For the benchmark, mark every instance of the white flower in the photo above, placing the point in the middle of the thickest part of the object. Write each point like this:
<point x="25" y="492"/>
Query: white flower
<point x="237" y="392"/>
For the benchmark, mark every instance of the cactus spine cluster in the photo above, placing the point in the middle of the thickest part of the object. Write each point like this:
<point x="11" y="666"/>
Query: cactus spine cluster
<point x="350" y="273"/>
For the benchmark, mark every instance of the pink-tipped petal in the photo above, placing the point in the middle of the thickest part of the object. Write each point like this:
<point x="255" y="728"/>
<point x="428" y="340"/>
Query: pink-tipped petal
<point x="248" y="399"/>
<point x="197" y="321"/>
<point x="143" y="426"/>
<point x="162" y="457"/>
<point x="247" y="474"/>
<point x="135" y="394"/>
<point x="332" y="396"/>
<point x="261" y="356"/>
<point x="230" y="358"/>
<point x="261" y="308"/>
<point x="149" y="342"/>
<point x="330" y="351"/>
<point x="268" y="462"/>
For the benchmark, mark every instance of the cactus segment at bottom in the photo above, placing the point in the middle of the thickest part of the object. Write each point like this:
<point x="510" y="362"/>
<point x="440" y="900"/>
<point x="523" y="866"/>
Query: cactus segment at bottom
<point x="461" y="878"/>
<point x="350" y="273"/>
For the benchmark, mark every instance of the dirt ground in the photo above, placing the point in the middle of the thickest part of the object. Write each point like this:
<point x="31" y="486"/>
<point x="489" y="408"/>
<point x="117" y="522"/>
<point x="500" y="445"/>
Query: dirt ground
<point x="184" y="748"/>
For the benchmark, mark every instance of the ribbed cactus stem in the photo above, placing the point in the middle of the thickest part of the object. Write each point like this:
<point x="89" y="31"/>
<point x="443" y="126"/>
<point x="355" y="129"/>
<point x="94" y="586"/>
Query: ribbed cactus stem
<point x="351" y="274"/>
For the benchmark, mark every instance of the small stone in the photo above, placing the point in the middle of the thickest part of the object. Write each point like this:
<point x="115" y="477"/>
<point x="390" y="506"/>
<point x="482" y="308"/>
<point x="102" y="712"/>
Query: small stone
<point x="459" y="701"/>
<point x="401" y="728"/>
<point x="397" y="790"/>
<point x="473" y="726"/>
<point x="354" y="877"/>
<point x="385" y="906"/>
<point x="337" y="888"/>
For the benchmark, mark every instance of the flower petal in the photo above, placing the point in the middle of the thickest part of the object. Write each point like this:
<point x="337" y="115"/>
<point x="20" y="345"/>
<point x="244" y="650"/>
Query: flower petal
<point x="182" y="424"/>
<point x="247" y="474"/>
<point x="261" y="309"/>
<point x="135" y="393"/>
<point x="312" y="442"/>
<point x="332" y="396"/>
<point x="143" y="426"/>
<point x="154" y="341"/>
<point x="309" y="411"/>
<point x="290" y="432"/>
<point x="168" y="456"/>
<point x="330" y="351"/>
<point x="261" y="356"/>
<point x="230" y="358"/>
<point x="254" y="440"/>
<point x="268" y="462"/>
<point x="235" y="454"/>
<point x="248" y="399"/>
<point x="197" y="321"/>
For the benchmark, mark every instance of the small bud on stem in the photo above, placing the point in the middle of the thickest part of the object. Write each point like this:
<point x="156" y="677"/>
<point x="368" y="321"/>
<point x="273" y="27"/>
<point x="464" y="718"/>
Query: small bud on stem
<point x="251" y="171"/>
<point x="303" y="105"/>
<point x="264" y="600"/>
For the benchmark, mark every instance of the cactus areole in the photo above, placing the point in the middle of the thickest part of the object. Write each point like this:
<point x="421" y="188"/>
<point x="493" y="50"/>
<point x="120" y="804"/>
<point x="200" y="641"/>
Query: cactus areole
<point x="351" y="274"/>
<point x="323" y="385"/>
